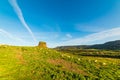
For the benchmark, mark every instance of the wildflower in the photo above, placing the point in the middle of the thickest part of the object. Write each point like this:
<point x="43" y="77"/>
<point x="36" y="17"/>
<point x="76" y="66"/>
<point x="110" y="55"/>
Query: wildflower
<point x="104" y="63"/>
<point x="62" y="55"/>
<point x="95" y="60"/>
<point x="78" y="59"/>
<point x="68" y="56"/>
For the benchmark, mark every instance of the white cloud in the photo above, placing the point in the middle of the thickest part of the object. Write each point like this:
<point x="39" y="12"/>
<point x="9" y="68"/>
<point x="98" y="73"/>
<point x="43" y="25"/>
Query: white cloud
<point x="103" y="35"/>
<point x="20" y="16"/>
<point x="7" y="34"/>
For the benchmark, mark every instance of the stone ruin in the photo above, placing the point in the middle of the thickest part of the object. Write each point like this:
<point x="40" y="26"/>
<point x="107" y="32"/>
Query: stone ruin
<point x="42" y="44"/>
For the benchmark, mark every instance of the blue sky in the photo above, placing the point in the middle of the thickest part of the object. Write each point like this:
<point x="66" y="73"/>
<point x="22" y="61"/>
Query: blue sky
<point x="59" y="22"/>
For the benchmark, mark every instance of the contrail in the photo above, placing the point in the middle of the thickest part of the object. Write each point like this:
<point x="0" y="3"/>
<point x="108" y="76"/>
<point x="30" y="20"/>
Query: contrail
<point x="20" y="16"/>
<point x="5" y="33"/>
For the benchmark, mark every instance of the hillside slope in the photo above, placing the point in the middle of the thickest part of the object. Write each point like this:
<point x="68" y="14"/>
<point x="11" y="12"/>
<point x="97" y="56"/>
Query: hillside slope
<point x="33" y="63"/>
<point x="111" y="45"/>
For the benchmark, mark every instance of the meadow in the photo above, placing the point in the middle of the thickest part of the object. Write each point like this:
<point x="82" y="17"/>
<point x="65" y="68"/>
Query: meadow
<point x="34" y="63"/>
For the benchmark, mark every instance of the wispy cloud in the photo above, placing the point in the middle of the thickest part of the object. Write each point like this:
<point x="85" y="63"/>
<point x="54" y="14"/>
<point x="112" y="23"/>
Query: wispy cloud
<point x="103" y="35"/>
<point x="7" y="34"/>
<point x="66" y="37"/>
<point x="69" y="36"/>
<point x="86" y="28"/>
<point x="20" y="16"/>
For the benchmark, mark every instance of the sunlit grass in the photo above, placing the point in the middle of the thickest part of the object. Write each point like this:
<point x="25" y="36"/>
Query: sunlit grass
<point x="33" y="63"/>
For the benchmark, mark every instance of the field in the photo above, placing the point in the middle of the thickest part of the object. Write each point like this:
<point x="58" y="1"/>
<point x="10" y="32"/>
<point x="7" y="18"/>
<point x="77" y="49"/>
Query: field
<point x="34" y="63"/>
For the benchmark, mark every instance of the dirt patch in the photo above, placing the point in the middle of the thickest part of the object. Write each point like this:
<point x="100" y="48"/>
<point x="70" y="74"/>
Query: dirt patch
<point x="66" y="65"/>
<point x="20" y="58"/>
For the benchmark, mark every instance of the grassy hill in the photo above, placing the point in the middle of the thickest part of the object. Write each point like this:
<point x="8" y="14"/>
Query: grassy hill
<point x="33" y="63"/>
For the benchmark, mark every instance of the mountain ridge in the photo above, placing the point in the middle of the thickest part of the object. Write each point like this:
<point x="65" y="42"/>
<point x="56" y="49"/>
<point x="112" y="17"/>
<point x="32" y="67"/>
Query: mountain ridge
<point x="110" y="45"/>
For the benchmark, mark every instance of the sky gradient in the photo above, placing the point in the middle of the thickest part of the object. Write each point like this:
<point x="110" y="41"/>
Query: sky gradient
<point x="59" y="22"/>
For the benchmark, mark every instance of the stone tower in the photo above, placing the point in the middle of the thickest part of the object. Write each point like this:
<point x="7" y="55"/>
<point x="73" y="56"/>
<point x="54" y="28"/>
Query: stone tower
<point x="42" y="44"/>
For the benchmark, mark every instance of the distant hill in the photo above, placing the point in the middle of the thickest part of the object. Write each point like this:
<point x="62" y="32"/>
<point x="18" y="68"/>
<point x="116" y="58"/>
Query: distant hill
<point x="111" y="45"/>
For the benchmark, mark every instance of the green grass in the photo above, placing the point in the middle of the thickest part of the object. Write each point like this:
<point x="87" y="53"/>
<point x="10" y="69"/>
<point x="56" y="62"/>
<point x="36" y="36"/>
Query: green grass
<point x="33" y="63"/>
<point x="93" y="52"/>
